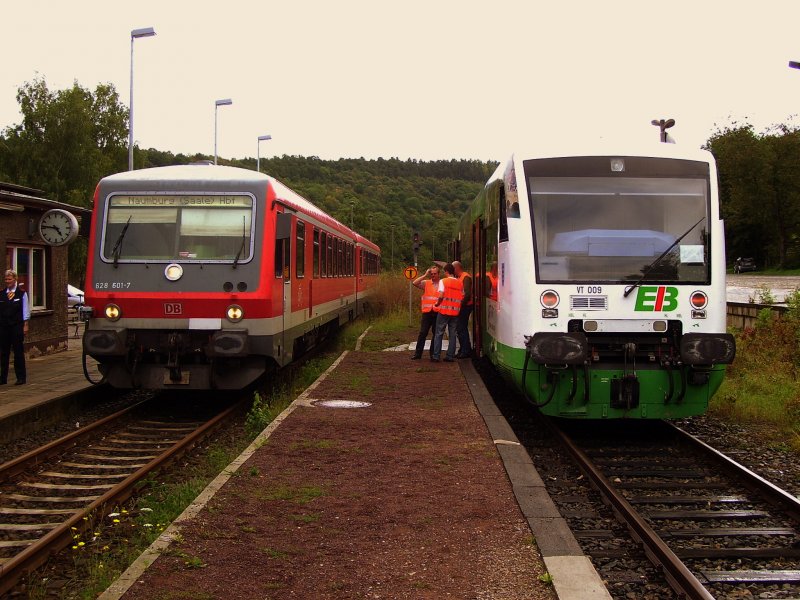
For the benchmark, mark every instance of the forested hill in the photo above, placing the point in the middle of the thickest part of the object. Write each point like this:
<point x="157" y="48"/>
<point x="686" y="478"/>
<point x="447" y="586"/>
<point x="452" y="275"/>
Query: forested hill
<point x="428" y="197"/>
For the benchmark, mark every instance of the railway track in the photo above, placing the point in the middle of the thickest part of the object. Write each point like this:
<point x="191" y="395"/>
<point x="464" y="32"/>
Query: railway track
<point x="712" y="527"/>
<point x="47" y="495"/>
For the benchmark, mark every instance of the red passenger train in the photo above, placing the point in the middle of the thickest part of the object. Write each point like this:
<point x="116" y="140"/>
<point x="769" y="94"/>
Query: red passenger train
<point x="206" y="277"/>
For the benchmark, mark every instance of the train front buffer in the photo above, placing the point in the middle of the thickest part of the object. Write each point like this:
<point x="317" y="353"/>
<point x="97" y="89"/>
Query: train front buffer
<point x="625" y="367"/>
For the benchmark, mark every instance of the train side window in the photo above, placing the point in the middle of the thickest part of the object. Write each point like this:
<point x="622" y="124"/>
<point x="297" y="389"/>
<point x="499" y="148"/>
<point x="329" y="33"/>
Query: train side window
<point x="331" y="266"/>
<point x="503" y="217"/>
<point x="300" y="250"/>
<point x="279" y="254"/>
<point x="323" y="243"/>
<point x="315" y="252"/>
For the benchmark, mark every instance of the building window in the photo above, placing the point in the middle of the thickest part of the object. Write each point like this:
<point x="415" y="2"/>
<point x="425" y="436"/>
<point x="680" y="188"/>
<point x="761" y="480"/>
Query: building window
<point x="29" y="263"/>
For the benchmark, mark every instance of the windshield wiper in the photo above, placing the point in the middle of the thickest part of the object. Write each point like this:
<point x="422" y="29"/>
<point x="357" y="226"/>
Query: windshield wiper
<point x="241" y="248"/>
<point x="115" y="253"/>
<point x="647" y="270"/>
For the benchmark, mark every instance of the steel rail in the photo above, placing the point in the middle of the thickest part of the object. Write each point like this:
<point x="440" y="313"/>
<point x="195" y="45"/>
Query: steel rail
<point x="43" y="453"/>
<point x="61" y="536"/>
<point x="772" y="493"/>
<point x="682" y="580"/>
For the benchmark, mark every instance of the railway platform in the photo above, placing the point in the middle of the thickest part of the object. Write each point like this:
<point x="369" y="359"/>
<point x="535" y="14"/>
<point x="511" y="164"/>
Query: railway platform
<point x="51" y="379"/>
<point x="386" y="478"/>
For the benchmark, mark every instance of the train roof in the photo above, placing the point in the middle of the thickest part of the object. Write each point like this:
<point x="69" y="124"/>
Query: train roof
<point x="566" y="148"/>
<point x="207" y="175"/>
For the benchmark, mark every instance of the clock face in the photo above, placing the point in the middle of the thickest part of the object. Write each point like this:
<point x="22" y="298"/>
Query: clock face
<point x="58" y="227"/>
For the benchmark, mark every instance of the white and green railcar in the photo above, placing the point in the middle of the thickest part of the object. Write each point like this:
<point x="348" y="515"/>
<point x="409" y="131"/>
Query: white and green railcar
<point x="600" y="280"/>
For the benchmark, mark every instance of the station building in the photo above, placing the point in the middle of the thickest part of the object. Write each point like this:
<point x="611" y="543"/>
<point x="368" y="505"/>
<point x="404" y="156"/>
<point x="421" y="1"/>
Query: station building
<point x="40" y="264"/>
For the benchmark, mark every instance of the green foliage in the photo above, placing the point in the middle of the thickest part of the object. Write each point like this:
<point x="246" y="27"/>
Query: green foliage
<point x="759" y="182"/>
<point x="260" y="415"/>
<point x="67" y="141"/>
<point x="763" y="295"/>
<point x="763" y="384"/>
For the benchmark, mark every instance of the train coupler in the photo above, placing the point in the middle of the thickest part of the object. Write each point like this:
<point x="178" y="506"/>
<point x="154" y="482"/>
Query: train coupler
<point x="625" y="392"/>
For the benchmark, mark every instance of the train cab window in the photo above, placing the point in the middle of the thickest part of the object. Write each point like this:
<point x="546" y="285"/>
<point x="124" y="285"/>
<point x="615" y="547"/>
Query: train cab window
<point x="181" y="226"/>
<point x="300" y="250"/>
<point x="315" y="252"/>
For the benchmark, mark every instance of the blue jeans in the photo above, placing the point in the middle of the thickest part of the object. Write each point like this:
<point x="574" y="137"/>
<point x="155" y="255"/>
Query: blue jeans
<point x="442" y="322"/>
<point x="462" y="330"/>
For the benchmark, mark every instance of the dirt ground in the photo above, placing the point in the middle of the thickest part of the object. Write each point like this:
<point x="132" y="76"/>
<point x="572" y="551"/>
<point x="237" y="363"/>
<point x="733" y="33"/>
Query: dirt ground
<point x="405" y="498"/>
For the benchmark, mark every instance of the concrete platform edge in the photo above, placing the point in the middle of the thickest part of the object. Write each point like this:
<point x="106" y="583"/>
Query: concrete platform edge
<point x="574" y="576"/>
<point x="34" y="418"/>
<point x="118" y="588"/>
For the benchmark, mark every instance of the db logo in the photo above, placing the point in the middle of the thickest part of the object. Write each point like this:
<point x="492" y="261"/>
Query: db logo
<point x="659" y="298"/>
<point x="173" y="308"/>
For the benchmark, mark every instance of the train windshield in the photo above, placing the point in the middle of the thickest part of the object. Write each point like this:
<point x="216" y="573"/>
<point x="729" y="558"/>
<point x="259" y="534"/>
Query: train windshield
<point x="176" y="227"/>
<point x="621" y="228"/>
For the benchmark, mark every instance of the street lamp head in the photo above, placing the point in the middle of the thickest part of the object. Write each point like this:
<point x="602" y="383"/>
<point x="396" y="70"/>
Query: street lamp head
<point x="656" y="122"/>
<point x="263" y="138"/>
<point x="143" y="32"/>
<point x="669" y="123"/>
<point x="224" y="102"/>
<point x="794" y="64"/>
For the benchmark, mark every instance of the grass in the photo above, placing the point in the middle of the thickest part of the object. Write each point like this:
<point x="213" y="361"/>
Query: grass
<point x="762" y="386"/>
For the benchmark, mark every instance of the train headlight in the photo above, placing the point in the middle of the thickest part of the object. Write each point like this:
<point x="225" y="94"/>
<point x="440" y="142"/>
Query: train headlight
<point x="234" y="313"/>
<point x="173" y="272"/>
<point x="113" y="312"/>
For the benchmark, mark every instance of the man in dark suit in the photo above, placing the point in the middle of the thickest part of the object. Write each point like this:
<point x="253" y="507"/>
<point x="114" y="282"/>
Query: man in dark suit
<point x="14" y="316"/>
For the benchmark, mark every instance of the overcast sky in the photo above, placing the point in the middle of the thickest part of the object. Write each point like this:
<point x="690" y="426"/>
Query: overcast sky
<point x="426" y="79"/>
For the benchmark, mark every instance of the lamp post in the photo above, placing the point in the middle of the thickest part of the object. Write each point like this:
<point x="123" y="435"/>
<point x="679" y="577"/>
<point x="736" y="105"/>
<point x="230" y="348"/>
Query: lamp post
<point x="135" y="33"/>
<point x="663" y="125"/>
<point x="261" y="138"/>
<point x="217" y="104"/>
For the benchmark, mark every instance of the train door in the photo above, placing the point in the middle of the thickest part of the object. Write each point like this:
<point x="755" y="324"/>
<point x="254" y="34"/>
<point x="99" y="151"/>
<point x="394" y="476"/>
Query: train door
<point x="478" y="285"/>
<point x="283" y="238"/>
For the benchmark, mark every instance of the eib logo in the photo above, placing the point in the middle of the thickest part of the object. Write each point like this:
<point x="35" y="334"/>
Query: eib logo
<point x="656" y="298"/>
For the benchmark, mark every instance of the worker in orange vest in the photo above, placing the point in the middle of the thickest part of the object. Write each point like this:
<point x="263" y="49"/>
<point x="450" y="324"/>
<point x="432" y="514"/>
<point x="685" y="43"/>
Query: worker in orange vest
<point x="462" y="323"/>
<point x="431" y="292"/>
<point x="491" y="277"/>
<point x="449" y="305"/>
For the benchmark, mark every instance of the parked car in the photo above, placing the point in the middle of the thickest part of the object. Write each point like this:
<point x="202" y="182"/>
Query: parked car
<point x="744" y="264"/>
<point x="74" y="296"/>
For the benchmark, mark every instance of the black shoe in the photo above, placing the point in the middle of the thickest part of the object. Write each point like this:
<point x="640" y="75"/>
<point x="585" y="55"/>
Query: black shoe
<point x="3" y="382"/>
<point x="415" y="357"/>
<point x="19" y="382"/>
<point x="463" y="356"/>
<point x="448" y="359"/>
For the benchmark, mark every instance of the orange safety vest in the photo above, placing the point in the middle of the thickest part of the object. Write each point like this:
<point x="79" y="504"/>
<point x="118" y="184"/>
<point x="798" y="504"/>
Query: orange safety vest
<point x="492" y="285"/>
<point x="429" y="296"/>
<point x="452" y="296"/>
<point x="461" y="279"/>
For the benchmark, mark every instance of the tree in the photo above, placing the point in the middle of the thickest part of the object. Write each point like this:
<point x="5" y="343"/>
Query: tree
<point x="67" y="141"/>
